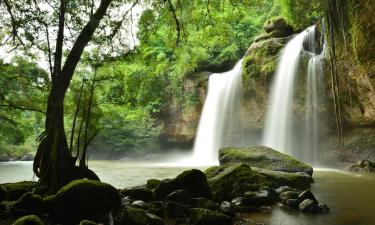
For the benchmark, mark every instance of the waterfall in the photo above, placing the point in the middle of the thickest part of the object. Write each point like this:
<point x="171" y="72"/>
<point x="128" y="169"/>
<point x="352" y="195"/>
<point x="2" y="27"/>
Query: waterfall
<point x="219" y="120"/>
<point x="281" y="131"/>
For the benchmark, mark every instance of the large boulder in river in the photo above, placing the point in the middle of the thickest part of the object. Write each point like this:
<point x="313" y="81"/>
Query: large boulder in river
<point x="233" y="180"/>
<point x="84" y="199"/>
<point x="194" y="181"/>
<point x="263" y="157"/>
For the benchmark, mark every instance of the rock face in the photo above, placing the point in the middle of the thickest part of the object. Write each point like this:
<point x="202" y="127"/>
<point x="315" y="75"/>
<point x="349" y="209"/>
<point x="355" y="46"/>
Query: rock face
<point x="263" y="157"/>
<point x="83" y="199"/>
<point x="362" y="166"/>
<point x="181" y="120"/>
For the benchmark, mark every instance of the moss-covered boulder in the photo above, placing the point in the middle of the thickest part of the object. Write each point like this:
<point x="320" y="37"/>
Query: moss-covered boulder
<point x="139" y="193"/>
<point x="233" y="180"/>
<point x="29" y="220"/>
<point x="201" y="216"/>
<point x="263" y="157"/>
<point x="84" y="199"/>
<point x="194" y="181"/>
<point x="298" y="180"/>
<point x="277" y="23"/>
<point x="15" y="190"/>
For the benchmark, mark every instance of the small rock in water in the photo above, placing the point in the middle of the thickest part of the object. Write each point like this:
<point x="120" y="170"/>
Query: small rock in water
<point x="179" y="195"/>
<point x="307" y="194"/>
<point x="139" y="204"/>
<point x="309" y="206"/>
<point x="126" y="201"/>
<point x="225" y="206"/>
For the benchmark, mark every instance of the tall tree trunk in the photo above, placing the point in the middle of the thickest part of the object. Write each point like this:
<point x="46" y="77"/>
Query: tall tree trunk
<point x="54" y="163"/>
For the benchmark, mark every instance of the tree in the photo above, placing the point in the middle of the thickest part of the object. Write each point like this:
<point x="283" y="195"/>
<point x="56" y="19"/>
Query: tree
<point x="30" y="25"/>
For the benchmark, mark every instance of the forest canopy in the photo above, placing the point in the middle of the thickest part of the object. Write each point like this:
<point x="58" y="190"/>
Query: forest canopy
<point x="158" y="45"/>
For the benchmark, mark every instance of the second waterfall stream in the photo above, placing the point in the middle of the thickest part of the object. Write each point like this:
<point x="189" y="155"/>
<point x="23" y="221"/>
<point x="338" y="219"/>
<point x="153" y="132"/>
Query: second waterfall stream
<point x="218" y="125"/>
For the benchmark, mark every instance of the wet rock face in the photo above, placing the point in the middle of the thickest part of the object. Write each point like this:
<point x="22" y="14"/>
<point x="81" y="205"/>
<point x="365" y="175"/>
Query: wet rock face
<point x="362" y="166"/>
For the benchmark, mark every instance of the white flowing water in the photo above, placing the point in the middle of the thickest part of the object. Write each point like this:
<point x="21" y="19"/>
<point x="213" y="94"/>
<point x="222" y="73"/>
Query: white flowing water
<point x="217" y="125"/>
<point x="277" y="131"/>
<point x="281" y="131"/>
<point x="314" y="83"/>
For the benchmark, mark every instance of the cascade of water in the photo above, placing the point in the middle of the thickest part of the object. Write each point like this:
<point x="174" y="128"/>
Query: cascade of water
<point x="220" y="111"/>
<point x="279" y="132"/>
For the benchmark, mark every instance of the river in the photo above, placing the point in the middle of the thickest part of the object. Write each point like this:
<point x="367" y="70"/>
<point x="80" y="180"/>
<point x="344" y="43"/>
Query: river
<point x="351" y="197"/>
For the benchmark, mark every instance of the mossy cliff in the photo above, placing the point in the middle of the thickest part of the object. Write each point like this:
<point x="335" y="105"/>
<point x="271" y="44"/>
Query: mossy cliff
<point x="259" y="66"/>
<point x="351" y="31"/>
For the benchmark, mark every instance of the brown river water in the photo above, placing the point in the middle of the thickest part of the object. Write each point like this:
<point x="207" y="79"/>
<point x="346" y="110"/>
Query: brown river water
<point x="351" y="197"/>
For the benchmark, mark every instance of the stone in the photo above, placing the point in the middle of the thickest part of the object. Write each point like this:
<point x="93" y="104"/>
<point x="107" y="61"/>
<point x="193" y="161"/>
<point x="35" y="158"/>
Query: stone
<point x="261" y="198"/>
<point x="243" y="205"/>
<point x="282" y="189"/>
<point x="323" y="208"/>
<point x="139" y="193"/>
<point x="202" y="203"/>
<point x="208" y="217"/>
<point x="139" y="204"/>
<point x="233" y="180"/>
<point x="175" y="210"/>
<point x="179" y="195"/>
<point x="82" y="199"/>
<point x="288" y="195"/>
<point x="309" y="206"/>
<point x="292" y="203"/>
<point x="307" y="194"/>
<point x="126" y="201"/>
<point x="225" y="206"/>
<point x="152" y="183"/>
<point x="277" y="23"/>
<point x="299" y="180"/>
<point x="29" y="220"/>
<point x="27" y="157"/>
<point x="156" y="208"/>
<point x="4" y="157"/>
<point x="136" y="216"/>
<point x="192" y="180"/>
<point x="264" y="158"/>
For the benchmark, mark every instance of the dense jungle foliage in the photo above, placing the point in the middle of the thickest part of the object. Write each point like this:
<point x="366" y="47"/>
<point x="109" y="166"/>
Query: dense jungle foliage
<point x="123" y="96"/>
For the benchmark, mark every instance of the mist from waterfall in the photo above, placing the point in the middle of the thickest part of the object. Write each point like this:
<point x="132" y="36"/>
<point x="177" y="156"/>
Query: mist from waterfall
<point x="220" y="118"/>
<point x="284" y="130"/>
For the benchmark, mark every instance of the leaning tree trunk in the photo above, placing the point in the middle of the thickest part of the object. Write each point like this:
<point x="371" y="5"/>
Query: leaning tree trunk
<point x="54" y="163"/>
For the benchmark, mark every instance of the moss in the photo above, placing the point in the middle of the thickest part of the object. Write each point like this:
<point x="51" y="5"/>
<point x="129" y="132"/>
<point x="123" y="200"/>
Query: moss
<point x="362" y="29"/>
<point x="233" y="180"/>
<point x="29" y="220"/>
<point x="30" y="202"/>
<point x="87" y="222"/>
<point x="152" y="183"/>
<point x="82" y="199"/>
<point x="201" y="216"/>
<point x="263" y="157"/>
<point x="193" y="180"/>
<point x="15" y="190"/>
